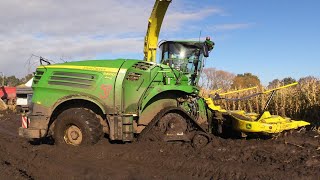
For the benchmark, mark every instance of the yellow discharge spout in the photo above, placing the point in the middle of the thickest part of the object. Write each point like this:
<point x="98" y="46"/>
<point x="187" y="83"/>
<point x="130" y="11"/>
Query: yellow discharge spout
<point x="154" y="25"/>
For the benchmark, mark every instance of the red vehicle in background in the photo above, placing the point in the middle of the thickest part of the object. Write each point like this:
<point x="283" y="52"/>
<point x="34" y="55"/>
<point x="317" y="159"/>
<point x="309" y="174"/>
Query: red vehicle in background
<point x="8" y="95"/>
<point x="16" y="98"/>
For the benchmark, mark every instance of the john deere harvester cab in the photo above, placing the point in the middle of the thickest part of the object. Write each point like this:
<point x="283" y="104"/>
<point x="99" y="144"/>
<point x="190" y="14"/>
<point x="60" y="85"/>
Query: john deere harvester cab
<point x="184" y="56"/>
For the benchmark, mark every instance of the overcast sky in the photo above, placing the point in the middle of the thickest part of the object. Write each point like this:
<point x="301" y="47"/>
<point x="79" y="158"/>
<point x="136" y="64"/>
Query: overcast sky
<point x="271" y="39"/>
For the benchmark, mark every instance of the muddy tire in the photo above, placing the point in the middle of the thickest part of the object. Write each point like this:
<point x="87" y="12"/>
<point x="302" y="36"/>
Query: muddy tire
<point x="77" y="127"/>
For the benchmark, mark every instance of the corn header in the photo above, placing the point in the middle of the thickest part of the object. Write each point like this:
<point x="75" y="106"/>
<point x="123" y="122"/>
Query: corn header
<point x="241" y="121"/>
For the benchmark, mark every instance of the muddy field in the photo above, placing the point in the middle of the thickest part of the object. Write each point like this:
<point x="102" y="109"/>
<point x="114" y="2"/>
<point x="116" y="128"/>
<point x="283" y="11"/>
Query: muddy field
<point x="292" y="157"/>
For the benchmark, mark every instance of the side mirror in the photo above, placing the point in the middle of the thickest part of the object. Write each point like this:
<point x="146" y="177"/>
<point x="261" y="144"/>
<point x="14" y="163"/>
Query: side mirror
<point x="205" y="50"/>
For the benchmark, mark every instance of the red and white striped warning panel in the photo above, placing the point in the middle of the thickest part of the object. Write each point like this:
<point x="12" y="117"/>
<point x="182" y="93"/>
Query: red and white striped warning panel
<point x="25" y="121"/>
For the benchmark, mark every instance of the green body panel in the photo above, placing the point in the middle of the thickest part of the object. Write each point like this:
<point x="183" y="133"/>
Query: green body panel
<point x="83" y="80"/>
<point x="117" y="86"/>
<point x="169" y="89"/>
<point x="204" y="115"/>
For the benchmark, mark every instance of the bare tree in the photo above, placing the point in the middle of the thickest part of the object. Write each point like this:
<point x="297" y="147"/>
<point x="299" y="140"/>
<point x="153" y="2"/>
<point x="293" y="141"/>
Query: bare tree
<point x="211" y="79"/>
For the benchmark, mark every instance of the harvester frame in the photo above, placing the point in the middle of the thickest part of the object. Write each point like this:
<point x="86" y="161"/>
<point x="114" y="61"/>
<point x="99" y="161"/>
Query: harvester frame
<point x="78" y="102"/>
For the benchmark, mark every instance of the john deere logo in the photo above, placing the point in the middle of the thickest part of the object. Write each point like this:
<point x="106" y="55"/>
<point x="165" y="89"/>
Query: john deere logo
<point x="248" y="126"/>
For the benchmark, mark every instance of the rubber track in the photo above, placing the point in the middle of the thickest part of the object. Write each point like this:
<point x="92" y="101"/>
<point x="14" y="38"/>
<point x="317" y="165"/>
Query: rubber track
<point x="154" y="121"/>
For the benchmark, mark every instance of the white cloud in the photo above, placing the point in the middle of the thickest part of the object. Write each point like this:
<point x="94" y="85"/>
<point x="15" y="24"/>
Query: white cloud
<point x="18" y="50"/>
<point x="175" y="20"/>
<point x="81" y="29"/>
<point x="228" y="27"/>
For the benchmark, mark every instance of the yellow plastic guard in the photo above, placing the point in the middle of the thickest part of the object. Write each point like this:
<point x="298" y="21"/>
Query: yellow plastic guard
<point x="267" y="124"/>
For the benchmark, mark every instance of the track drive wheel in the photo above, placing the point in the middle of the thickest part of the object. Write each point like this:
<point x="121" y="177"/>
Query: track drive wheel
<point x="166" y="126"/>
<point x="77" y="127"/>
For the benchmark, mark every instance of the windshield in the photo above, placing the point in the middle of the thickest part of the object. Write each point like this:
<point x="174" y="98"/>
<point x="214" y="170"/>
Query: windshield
<point x="183" y="56"/>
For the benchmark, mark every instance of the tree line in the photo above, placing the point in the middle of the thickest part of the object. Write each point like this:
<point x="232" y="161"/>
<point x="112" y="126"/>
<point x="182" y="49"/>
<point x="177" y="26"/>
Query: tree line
<point x="13" y="80"/>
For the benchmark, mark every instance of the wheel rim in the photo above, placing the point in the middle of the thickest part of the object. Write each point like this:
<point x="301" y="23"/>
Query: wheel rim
<point x="172" y="127"/>
<point x="172" y="122"/>
<point x="73" y="135"/>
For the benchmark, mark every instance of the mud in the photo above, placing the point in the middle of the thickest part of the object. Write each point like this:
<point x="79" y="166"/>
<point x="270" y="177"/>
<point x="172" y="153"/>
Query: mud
<point x="296" y="156"/>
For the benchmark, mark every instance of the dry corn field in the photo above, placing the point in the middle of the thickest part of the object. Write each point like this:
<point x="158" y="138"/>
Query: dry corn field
<point x="298" y="102"/>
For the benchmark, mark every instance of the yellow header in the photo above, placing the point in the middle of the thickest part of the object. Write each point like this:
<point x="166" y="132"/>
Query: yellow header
<point x="237" y="91"/>
<point x="247" y="89"/>
<point x="215" y="91"/>
<point x="281" y="87"/>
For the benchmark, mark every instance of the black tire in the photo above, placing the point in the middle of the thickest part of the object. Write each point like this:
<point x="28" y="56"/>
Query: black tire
<point x="74" y="123"/>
